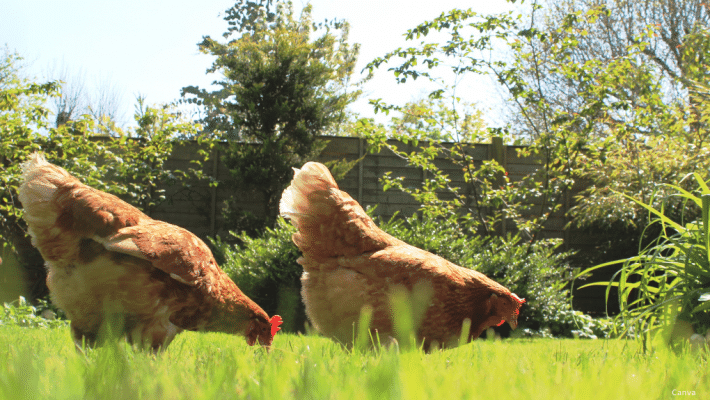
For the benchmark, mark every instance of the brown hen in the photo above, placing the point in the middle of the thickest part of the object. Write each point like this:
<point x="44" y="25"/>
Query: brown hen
<point x="349" y="263"/>
<point x="107" y="261"/>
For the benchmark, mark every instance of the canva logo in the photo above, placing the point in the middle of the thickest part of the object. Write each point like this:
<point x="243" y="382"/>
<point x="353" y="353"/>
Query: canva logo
<point x="677" y="392"/>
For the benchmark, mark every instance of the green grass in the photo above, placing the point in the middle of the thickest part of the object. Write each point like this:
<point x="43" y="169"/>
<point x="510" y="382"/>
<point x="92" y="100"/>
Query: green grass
<point x="38" y="363"/>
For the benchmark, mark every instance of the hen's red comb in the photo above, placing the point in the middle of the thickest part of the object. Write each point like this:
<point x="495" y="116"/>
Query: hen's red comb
<point x="276" y="322"/>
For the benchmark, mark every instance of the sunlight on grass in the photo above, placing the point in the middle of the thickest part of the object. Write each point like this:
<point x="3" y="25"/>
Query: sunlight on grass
<point x="42" y="363"/>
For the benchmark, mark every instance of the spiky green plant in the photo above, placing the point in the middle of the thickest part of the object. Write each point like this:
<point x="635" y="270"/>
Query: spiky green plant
<point x="669" y="280"/>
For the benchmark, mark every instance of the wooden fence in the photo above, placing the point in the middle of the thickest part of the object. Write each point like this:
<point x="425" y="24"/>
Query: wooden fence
<point x="197" y="207"/>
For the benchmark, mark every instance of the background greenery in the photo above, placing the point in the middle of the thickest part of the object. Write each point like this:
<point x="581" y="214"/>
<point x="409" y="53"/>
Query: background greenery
<point x="609" y="96"/>
<point x="666" y="287"/>
<point x="283" y="80"/>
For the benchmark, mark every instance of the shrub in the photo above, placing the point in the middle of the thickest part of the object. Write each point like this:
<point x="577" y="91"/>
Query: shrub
<point x="22" y="313"/>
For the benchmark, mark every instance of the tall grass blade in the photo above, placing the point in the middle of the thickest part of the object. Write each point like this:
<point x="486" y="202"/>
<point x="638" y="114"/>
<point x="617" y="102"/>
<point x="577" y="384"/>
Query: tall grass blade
<point x="701" y="182"/>
<point x="402" y="317"/>
<point x="706" y="228"/>
<point x="686" y="194"/>
<point x="408" y="310"/>
<point x="661" y="216"/>
<point x="363" y="340"/>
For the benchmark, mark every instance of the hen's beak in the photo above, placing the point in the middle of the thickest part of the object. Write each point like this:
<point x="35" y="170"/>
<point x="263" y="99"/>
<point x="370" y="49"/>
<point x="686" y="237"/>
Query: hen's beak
<point x="251" y="340"/>
<point x="513" y="322"/>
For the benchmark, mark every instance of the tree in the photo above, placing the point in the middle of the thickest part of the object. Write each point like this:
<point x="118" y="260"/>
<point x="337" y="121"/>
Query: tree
<point x="103" y="101"/>
<point x="651" y="122"/>
<point x="129" y="164"/>
<point x="608" y="92"/>
<point x="660" y="27"/>
<point x="280" y="87"/>
<point x="71" y="99"/>
<point x="473" y="45"/>
<point x="22" y="113"/>
<point x="434" y="119"/>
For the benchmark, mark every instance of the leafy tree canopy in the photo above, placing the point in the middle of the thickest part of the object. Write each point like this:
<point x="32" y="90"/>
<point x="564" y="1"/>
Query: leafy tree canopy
<point x="611" y="93"/>
<point x="283" y="80"/>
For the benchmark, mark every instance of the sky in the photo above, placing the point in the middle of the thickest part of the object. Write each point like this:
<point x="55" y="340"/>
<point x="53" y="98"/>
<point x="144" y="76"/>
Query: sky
<point x="149" y="47"/>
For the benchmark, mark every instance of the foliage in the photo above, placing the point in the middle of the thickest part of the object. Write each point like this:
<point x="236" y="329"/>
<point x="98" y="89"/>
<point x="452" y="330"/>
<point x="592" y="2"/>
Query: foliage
<point x="21" y="313"/>
<point x="284" y="80"/>
<point x="491" y="198"/>
<point x="618" y="77"/>
<point x="40" y="363"/>
<point x="433" y="119"/>
<point x="21" y="113"/>
<point x="479" y="206"/>
<point x="622" y="76"/>
<point x="590" y="110"/>
<point x="427" y="125"/>
<point x="655" y="142"/>
<point x="265" y="269"/>
<point x="138" y="157"/>
<point x="668" y="280"/>
<point x="128" y="164"/>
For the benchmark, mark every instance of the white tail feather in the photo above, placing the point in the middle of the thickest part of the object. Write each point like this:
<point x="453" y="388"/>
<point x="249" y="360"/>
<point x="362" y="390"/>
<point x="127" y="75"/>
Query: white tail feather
<point x="40" y="181"/>
<point x="312" y="177"/>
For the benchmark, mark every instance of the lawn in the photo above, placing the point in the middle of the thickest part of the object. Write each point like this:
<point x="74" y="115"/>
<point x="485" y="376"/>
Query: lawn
<point x="40" y="363"/>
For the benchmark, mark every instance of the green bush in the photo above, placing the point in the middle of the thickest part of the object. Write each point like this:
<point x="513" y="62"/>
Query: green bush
<point x="22" y="313"/>
<point x="266" y="270"/>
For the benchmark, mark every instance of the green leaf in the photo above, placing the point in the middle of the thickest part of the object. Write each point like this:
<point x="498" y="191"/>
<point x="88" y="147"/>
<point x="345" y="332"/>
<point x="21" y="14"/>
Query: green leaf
<point x="662" y="217"/>
<point x="706" y="227"/>
<point x="702" y="307"/>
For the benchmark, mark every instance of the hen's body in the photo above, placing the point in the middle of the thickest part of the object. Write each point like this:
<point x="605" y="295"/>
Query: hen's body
<point x="349" y="263"/>
<point x="107" y="260"/>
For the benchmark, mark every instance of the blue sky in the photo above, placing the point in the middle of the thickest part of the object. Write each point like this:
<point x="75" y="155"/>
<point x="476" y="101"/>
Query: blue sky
<point x="150" y="47"/>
